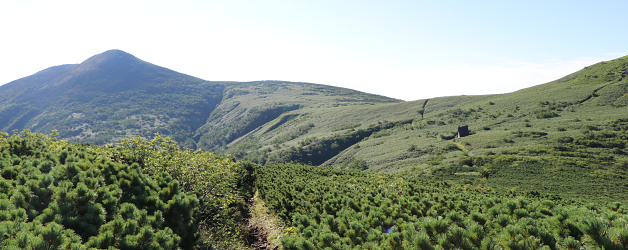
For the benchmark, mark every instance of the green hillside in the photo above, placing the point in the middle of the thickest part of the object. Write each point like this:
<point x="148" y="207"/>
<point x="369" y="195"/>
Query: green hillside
<point x="115" y="95"/>
<point x="247" y="109"/>
<point x="574" y="127"/>
<point x="595" y="96"/>
<point x="537" y="140"/>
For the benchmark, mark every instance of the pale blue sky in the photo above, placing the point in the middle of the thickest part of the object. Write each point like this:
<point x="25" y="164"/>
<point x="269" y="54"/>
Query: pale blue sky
<point x="403" y="49"/>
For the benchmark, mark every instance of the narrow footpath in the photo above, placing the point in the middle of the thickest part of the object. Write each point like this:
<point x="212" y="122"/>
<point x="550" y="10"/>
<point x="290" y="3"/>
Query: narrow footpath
<point x="265" y="229"/>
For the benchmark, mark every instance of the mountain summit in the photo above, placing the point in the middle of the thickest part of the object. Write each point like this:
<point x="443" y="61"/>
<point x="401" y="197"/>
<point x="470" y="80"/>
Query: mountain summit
<point x="109" y="72"/>
<point x="114" y="95"/>
<point x="104" y="97"/>
<point x="114" y="71"/>
<point x="111" y="63"/>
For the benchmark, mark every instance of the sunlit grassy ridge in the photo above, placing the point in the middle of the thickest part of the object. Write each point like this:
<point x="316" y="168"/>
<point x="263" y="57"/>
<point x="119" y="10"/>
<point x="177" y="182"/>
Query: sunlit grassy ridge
<point x="535" y="140"/>
<point x="593" y="96"/>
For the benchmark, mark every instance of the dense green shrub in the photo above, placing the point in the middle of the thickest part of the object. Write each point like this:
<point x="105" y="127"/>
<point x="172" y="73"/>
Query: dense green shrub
<point x="334" y="208"/>
<point x="61" y="195"/>
<point x="222" y="184"/>
<point x="545" y="114"/>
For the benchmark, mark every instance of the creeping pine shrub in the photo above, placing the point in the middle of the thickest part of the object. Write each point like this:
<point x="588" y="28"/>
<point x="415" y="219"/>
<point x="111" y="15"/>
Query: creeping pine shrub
<point x="221" y="183"/>
<point x="545" y="114"/>
<point x="349" y="209"/>
<point x="75" y="198"/>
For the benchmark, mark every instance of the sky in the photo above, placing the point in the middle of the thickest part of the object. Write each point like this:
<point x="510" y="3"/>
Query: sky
<point x="403" y="49"/>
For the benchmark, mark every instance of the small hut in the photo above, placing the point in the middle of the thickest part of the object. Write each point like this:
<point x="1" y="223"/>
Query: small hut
<point x="463" y="131"/>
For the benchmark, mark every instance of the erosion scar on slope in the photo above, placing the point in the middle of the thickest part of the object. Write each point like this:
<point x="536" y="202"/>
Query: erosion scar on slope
<point x="423" y="108"/>
<point x="592" y="94"/>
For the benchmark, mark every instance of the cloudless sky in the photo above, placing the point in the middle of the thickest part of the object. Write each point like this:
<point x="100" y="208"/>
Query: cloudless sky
<point x="403" y="49"/>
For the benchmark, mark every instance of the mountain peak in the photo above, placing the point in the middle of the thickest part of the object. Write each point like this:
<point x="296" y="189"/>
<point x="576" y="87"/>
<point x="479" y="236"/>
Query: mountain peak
<point x="113" y="70"/>
<point x="115" y="52"/>
<point x="114" y="56"/>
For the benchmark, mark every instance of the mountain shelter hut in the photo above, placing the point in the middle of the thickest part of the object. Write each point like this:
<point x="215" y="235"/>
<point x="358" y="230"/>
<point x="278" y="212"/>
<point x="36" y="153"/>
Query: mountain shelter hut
<point x="463" y="131"/>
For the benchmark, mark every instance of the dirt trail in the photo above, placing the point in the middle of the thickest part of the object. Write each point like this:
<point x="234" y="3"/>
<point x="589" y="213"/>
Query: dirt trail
<point x="258" y="238"/>
<point x="265" y="229"/>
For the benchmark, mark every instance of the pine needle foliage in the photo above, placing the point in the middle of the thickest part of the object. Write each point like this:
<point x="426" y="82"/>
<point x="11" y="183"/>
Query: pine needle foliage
<point x="349" y="209"/>
<point x="58" y="195"/>
<point x="137" y="194"/>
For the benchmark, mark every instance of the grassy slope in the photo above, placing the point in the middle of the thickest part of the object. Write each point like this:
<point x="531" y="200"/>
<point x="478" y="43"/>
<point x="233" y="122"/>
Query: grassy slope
<point x="593" y="96"/>
<point x="499" y="113"/>
<point x="248" y="107"/>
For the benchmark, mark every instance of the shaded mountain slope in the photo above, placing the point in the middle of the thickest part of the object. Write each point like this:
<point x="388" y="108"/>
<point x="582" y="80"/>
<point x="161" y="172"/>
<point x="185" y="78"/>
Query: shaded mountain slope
<point x="108" y="96"/>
